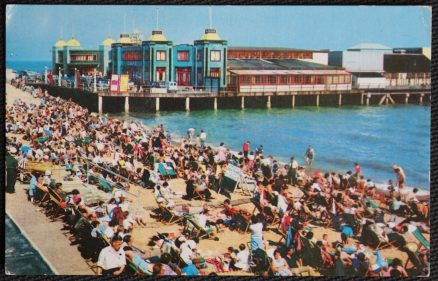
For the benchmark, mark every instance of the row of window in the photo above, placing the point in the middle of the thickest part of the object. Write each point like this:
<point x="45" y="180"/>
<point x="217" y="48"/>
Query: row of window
<point x="294" y="79"/>
<point x="268" y="54"/>
<point x="162" y="55"/>
<point x="83" y="57"/>
<point x="419" y="75"/>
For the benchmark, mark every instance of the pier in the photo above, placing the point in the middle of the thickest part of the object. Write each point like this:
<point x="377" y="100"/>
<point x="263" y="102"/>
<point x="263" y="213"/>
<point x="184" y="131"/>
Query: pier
<point x="146" y="100"/>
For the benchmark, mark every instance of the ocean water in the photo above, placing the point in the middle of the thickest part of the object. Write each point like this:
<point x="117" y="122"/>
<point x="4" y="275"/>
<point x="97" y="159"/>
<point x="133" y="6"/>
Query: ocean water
<point x="37" y="66"/>
<point x="376" y="136"/>
<point x="20" y="257"/>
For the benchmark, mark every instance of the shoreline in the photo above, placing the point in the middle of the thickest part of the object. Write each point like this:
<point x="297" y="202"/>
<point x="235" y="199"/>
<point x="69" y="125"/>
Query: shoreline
<point x="176" y="138"/>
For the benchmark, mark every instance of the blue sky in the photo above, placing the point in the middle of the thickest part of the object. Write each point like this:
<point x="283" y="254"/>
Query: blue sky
<point x="31" y="30"/>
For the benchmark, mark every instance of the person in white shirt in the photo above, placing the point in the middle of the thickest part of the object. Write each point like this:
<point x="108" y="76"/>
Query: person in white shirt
<point x="112" y="259"/>
<point x="203" y="137"/>
<point x="242" y="258"/>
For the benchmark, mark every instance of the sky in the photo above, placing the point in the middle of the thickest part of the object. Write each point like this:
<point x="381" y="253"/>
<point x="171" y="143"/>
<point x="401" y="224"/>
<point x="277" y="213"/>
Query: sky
<point x="32" y="30"/>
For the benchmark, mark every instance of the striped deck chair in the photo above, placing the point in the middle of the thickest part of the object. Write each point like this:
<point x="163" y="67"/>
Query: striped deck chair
<point x="161" y="169"/>
<point x="168" y="216"/>
<point x="106" y="186"/>
<point x="199" y="231"/>
<point x="421" y="239"/>
<point x="372" y="204"/>
<point x="170" y="169"/>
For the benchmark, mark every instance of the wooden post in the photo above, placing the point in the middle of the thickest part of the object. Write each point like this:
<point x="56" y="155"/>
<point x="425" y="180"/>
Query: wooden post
<point x="361" y="99"/>
<point x="391" y="99"/>
<point x="242" y="103"/>
<point x="215" y="103"/>
<point x="382" y="100"/>
<point x="317" y="100"/>
<point x="368" y="99"/>
<point x="268" y="104"/>
<point x="407" y="98"/>
<point x="157" y="104"/>
<point x="386" y="99"/>
<point x="293" y="101"/>
<point x="126" y="105"/>
<point x="100" y="104"/>
<point x="188" y="104"/>
<point x="340" y="100"/>
<point x="421" y="98"/>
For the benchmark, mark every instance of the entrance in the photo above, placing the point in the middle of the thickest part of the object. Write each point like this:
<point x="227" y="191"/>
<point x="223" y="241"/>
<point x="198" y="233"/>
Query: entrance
<point x="161" y="74"/>
<point x="183" y="76"/>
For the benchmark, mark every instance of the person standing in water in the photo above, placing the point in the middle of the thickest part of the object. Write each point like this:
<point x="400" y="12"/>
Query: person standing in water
<point x="310" y="156"/>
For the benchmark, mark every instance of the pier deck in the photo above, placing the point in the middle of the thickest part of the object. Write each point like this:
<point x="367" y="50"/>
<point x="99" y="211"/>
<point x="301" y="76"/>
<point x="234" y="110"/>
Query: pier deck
<point x="45" y="237"/>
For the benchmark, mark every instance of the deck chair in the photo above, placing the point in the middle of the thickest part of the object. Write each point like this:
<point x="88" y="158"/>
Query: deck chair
<point x="106" y="186"/>
<point x="170" y="169"/>
<point x="168" y="216"/>
<point x="133" y="268"/>
<point x="162" y="170"/>
<point x="422" y="242"/>
<point x="198" y="231"/>
<point x="59" y="205"/>
<point x="45" y="193"/>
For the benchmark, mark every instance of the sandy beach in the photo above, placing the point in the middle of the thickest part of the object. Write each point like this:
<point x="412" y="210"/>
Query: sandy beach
<point x="143" y="202"/>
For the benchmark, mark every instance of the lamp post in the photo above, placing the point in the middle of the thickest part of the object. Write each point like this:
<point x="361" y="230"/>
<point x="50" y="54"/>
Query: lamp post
<point x="76" y="78"/>
<point x="59" y="76"/>
<point x="94" y="84"/>
<point x="45" y="74"/>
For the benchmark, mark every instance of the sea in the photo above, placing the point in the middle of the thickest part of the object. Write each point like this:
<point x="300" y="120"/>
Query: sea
<point x="20" y="257"/>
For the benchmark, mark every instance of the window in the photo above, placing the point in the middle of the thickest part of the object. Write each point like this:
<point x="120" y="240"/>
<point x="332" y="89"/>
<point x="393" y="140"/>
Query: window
<point x="199" y="56"/>
<point x="320" y="80"/>
<point x="131" y="55"/>
<point x="335" y="79"/>
<point x="258" y="80"/>
<point x="272" y="80"/>
<point x="284" y="79"/>
<point x="215" y="72"/>
<point x="161" y="55"/>
<point x="245" y="79"/>
<point x="308" y="79"/>
<point x="215" y="55"/>
<point x="341" y="79"/>
<point x="347" y="78"/>
<point x="329" y="79"/>
<point x="183" y="55"/>
<point x="84" y="57"/>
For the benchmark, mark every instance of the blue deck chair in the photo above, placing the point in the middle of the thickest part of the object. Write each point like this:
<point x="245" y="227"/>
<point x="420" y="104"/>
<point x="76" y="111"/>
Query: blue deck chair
<point x="170" y="170"/>
<point x="105" y="184"/>
<point x="161" y="169"/>
<point x="421" y="239"/>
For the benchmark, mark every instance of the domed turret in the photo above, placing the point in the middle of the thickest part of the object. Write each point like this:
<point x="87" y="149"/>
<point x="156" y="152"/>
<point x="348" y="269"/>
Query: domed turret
<point x="73" y="42"/>
<point x="211" y="35"/>
<point x="124" y="39"/>
<point x="157" y="36"/>
<point x="108" y="41"/>
<point x="60" y="43"/>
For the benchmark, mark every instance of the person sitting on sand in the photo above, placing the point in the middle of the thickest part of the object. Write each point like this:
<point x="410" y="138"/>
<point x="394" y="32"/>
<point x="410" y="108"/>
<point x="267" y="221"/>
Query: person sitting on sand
<point x="279" y="265"/>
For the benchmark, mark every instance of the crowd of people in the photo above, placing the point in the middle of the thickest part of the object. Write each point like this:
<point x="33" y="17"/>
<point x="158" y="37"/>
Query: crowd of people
<point x="116" y="154"/>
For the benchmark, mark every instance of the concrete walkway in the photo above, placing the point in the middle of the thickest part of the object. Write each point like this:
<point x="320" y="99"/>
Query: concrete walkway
<point x="45" y="236"/>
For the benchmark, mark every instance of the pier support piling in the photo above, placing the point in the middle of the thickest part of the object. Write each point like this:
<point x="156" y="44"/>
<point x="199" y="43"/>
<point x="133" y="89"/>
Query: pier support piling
<point x="293" y="101"/>
<point x="242" y="103"/>
<point x="407" y="98"/>
<point x="126" y="105"/>
<point x="268" y="103"/>
<point x="317" y="100"/>
<point x="215" y="103"/>
<point x="187" y="104"/>
<point x="368" y="99"/>
<point x="421" y="98"/>
<point x="340" y="100"/>
<point x="386" y="99"/>
<point x="99" y="104"/>
<point x="157" y="104"/>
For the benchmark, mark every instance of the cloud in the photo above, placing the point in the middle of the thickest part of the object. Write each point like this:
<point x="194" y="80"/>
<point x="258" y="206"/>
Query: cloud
<point x="9" y="12"/>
